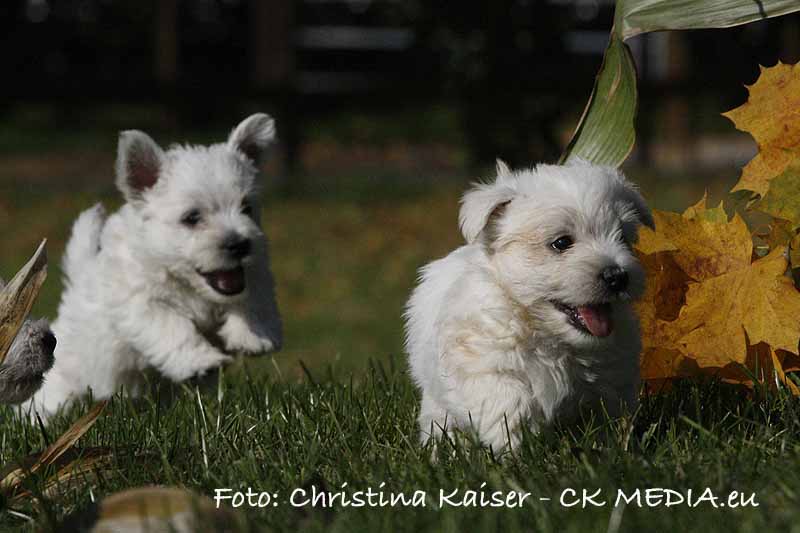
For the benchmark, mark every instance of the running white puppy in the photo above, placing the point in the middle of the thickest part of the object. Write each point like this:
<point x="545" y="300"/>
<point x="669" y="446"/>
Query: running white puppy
<point x="531" y="319"/>
<point x="176" y="280"/>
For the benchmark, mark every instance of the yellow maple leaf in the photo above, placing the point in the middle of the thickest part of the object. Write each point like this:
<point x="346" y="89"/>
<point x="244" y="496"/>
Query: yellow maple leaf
<point x="701" y="211"/>
<point x="694" y="246"/>
<point x="707" y="304"/>
<point x="772" y="116"/>
<point x="660" y="364"/>
<point x="710" y="305"/>
<point x="702" y="243"/>
<point x="748" y="305"/>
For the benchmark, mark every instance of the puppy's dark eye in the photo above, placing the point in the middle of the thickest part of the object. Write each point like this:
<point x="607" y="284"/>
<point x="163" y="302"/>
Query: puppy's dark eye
<point x="562" y="243"/>
<point x="191" y="218"/>
<point x="247" y="209"/>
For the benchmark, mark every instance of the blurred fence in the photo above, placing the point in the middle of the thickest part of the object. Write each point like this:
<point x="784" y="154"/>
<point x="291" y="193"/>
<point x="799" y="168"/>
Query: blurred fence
<point x="512" y="67"/>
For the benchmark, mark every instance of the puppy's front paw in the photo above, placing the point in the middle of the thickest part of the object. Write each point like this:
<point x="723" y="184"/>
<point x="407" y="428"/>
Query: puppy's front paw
<point x="209" y="363"/>
<point x="250" y="344"/>
<point x="239" y="338"/>
<point x="197" y="364"/>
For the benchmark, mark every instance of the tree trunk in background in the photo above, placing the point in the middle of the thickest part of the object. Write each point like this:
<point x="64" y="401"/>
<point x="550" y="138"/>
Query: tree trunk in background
<point x="166" y="45"/>
<point x="271" y="43"/>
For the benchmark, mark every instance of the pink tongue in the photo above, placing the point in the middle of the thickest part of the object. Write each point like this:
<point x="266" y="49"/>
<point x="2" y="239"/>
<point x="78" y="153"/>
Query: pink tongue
<point x="597" y="319"/>
<point x="230" y="281"/>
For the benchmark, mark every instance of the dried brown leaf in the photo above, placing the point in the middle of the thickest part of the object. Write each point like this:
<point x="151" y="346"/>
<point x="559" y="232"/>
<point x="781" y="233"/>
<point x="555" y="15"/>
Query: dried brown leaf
<point x="16" y="298"/>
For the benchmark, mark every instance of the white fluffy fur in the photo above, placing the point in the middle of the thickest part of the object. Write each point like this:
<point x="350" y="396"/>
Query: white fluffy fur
<point x="486" y="346"/>
<point x="135" y="298"/>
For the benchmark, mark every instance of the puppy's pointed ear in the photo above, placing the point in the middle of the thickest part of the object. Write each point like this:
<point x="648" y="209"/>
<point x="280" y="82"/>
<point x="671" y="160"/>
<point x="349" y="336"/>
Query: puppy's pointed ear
<point x="139" y="162"/>
<point x="253" y="136"/>
<point x="502" y="169"/>
<point x="480" y="206"/>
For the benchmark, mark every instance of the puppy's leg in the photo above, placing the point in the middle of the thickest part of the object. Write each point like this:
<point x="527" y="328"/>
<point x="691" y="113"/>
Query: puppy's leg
<point x="481" y="366"/>
<point x="494" y="408"/>
<point x="240" y="333"/>
<point x="497" y="409"/>
<point x="433" y="420"/>
<point x="255" y="326"/>
<point x="171" y="343"/>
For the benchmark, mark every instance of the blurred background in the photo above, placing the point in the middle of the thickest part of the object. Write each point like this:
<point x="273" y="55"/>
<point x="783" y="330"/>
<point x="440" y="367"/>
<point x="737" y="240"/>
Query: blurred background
<point x="386" y="110"/>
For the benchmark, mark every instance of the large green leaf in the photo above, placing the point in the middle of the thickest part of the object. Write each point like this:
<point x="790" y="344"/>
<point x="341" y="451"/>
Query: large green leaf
<point x="605" y="132"/>
<point x="641" y="16"/>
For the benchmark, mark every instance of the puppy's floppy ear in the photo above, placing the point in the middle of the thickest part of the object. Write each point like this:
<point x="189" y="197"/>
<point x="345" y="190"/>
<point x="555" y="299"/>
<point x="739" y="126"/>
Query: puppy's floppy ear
<point x="480" y="205"/>
<point x="253" y="136"/>
<point x="139" y="161"/>
<point x="640" y="207"/>
<point x="645" y="214"/>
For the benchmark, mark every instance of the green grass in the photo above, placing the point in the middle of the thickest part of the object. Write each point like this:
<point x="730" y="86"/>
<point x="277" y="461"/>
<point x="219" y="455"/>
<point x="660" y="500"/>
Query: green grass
<point x="276" y="437"/>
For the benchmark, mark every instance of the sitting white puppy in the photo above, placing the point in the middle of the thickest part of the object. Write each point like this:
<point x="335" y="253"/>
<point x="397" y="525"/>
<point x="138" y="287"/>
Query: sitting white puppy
<point x="532" y="318"/>
<point x="177" y="275"/>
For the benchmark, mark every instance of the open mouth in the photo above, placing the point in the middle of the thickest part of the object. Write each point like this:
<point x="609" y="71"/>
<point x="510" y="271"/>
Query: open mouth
<point x="227" y="282"/>
<point x="594" y="319"/>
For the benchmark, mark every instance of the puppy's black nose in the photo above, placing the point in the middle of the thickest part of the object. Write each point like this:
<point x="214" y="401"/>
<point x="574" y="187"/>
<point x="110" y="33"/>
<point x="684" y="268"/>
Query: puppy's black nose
<point x="49" y="342"/>
<point x="615" y="278"/>
<point x="236" y="246"/>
